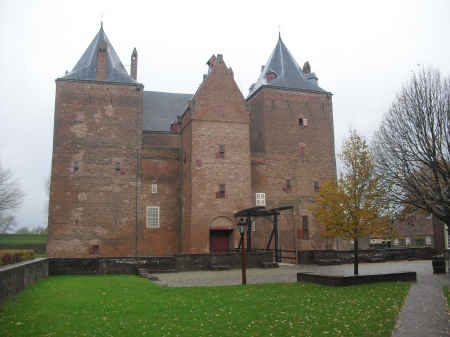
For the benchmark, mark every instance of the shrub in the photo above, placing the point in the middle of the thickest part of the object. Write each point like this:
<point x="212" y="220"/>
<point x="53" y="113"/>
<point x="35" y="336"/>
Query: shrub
<point x="9" y="256"/>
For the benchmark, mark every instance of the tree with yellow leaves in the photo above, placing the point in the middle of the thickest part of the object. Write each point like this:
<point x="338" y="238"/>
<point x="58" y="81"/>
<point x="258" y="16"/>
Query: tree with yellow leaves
<point x="355" y="205"/>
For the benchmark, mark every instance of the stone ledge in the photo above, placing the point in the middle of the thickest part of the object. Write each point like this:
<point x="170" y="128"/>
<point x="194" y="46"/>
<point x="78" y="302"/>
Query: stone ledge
<point x="330" y="262"/>
<point x="341" y="281"/>
<point x="216" y="267"/>
<point x="267" y="265"/>
<point x="375" y="259"/>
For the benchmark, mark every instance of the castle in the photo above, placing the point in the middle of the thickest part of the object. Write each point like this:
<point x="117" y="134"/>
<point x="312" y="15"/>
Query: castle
<point x="144" y="173"/>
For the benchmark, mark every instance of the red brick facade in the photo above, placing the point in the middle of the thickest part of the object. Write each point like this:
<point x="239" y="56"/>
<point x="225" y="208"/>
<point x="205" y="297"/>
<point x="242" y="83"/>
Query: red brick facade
<point x="118" y="191"/>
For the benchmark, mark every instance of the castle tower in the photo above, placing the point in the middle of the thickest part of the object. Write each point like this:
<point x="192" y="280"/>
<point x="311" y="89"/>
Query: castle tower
<point x="215" y="168"/>
<point x="95" y="181"/>
<point x="292" y="149"/>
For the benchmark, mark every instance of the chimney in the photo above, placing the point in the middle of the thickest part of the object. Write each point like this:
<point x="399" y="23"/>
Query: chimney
<point x="306" y="68"/>
<point x="102" y="50"/>
<point x="134" y="62"/>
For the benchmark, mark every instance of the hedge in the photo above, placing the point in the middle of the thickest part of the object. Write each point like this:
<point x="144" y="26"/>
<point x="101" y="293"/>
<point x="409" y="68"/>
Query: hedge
<point x="9" y="256"/>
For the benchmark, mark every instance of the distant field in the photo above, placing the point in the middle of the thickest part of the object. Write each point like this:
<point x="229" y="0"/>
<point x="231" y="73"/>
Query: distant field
<point x="24" y="241"/>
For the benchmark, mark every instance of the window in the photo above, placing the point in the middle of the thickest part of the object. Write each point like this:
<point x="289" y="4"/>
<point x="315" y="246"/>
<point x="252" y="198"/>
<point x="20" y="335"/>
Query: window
<point x="117" y="168"/>
<point x="198" y="163"/>
<point x="221" y="153"/>
<point x="80" y="116"/>
<point x="154" y="188"/>
<point x="302" y="122"/>
<point x="260" y="199"/>
<point x="428" y="240"/>
<point x="153" y="217"/>
<point x="396" y="242"/>
<point x="221" y="192"/>
<point x="408" y="241"/>
<point x="316" y="186"/>
<point x="94" y="249"/>
<point x="220" y="109"/>
<point x="76" y="167"/>
<point x="304" y="232"/>
<point x="302" y="151"/>
<point x="287" y="187"/>
<point x="253" y="226"/>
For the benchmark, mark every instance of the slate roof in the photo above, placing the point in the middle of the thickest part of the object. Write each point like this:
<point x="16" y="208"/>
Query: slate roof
<point x="288" y="73"/>
<point x="86" y="67"/>
<point x="161" y="109"/>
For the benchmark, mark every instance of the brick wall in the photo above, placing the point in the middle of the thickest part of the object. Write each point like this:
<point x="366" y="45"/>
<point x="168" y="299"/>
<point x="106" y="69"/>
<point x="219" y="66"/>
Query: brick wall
<point x="217" y="117"/>
<point x="97" y="126"/>
<point x="277" y="139"/>
<point x="161" y="167"/>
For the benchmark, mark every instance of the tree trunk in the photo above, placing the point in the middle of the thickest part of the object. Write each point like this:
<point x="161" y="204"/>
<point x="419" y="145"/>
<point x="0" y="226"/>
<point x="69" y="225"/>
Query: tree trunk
<point x="355" y="270"/>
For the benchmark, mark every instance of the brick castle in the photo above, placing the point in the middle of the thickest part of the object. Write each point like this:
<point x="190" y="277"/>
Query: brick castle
<point x="143" y="173"/>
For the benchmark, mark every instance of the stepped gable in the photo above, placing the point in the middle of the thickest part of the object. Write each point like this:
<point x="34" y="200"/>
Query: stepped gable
<point x="282" y="71"/>
<point x="86" y="68"/>
<point x="161" y="109"/>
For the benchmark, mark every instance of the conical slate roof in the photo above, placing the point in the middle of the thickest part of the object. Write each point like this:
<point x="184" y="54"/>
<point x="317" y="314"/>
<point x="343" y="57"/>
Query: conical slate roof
<point x="86" y="67"/>
<point x="287" y="73"/>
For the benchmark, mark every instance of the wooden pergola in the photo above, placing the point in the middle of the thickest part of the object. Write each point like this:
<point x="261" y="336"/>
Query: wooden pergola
<point x="261" y="212"/>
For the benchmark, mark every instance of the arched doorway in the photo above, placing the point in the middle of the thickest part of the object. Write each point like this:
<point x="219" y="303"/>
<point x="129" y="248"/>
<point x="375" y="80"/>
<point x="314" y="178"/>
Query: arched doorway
<point x="220" y="238"/>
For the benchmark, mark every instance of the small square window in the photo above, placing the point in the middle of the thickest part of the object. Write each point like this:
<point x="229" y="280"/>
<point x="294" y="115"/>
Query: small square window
<point x="220" y="109"/>
<point x="302" y="151"/>
<point x="154" y="188"/>
<point x="302" y="122"/>
<point x="153" y="217"/>
<point x="260" y="199"/>
<point x="80" y="116"/>
<point x="221" y="152"/>
<point x="221" y="192"/>
<point x="94" y="249"/>
<point x="287" y="186"/>
<point x="428" y="240"/>
<point x="117" y="168"/>
<point x="76" y="167"/>
<point x="198" y="163"/>
<point x="316" y="186"/>
<point x="396" y="242"/>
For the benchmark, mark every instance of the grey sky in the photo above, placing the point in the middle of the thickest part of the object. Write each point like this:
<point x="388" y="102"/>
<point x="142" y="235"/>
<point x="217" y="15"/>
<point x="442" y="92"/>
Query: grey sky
<point x="361" y="51"/>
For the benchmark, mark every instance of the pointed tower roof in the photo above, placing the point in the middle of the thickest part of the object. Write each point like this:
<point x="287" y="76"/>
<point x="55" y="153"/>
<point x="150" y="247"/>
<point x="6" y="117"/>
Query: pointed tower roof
<point x="85" y="69"/>
<point x="284" y="72"/>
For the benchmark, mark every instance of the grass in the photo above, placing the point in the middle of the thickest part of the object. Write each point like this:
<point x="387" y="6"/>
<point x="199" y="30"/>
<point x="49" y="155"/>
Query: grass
<point x="36" y="242"/>
<point x="126" y="305"/>
<point x="21" y="239"/>
<point x="446" y="290"/>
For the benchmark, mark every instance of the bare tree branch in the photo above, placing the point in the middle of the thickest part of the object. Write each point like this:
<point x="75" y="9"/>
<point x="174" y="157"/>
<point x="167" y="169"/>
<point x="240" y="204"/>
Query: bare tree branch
<point x="411" y="149"/>
<point x="11" y="194"/>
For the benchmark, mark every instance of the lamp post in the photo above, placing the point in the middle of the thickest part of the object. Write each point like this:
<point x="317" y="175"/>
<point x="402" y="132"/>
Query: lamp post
<point x="242" y="226"/>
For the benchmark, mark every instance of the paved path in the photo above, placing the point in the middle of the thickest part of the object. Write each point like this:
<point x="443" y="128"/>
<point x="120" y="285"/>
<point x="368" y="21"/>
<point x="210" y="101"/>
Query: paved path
<point x="424" y="314"/>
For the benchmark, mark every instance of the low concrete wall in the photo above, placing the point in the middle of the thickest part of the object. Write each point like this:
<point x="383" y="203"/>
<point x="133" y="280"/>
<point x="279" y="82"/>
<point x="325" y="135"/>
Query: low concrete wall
<point x="341" y="281"/>
<point x="130" y="265"/>
<point x="18" y="276"/>
<point x="347" y="256"/>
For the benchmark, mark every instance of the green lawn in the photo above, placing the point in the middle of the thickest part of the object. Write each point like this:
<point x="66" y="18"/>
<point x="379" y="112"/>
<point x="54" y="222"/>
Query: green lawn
<point x="446" y="290"/>
<point x="118" y="305"/>
<point x="20" y="239"/>
<point x="25" y="241"/>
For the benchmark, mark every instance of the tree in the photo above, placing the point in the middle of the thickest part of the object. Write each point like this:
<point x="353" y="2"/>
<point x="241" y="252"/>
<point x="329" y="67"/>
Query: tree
<point x="7" y="223"/>
<point x="23" y="230"/>
<point x="11" y="195"/>
<point x="411" y="149"/>
<point x="355" y="205"/>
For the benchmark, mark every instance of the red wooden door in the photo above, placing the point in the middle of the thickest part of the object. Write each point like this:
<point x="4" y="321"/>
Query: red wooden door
<point x="219" y="241"/>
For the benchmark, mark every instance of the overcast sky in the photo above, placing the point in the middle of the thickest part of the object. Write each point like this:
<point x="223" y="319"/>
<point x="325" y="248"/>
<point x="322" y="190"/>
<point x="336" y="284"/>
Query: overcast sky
<point x="361" y="51"/>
